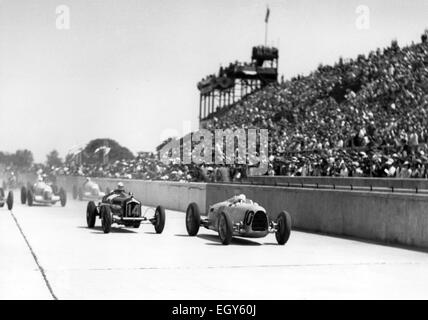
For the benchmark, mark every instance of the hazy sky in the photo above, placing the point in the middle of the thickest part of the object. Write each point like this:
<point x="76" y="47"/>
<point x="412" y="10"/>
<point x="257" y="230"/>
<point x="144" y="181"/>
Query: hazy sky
<point x="127" y="69"/>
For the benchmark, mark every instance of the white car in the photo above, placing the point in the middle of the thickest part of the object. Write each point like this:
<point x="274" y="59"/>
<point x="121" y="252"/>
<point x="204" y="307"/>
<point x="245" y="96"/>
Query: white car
<point x="89" y="191"/>
<point x="44" y="194"/>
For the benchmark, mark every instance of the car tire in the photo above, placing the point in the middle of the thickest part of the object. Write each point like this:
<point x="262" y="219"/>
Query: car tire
<point x="193" y="219"/>
<point x="30" y="198"/>
<point x="91" y="214"/>
<point x="55" y="189"/>
<point x="136" y="224"/>
<point x="62" y="197"/>
<point x="225" y="228"/>
<point x="74" y="192"/>
<point x="160" y="218"/>
<point x="106" y="219"/>
<point x="283" y="231"/>
<point x="23" y="195"/>
<point x="9" y="200"/>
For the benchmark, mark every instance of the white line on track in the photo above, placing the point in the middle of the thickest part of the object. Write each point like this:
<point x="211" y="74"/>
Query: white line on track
<point x="42" y="271"/>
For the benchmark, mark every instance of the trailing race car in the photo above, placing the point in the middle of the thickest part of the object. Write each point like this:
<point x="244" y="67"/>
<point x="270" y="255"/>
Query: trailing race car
<point x="89" y="191"/>
<point x="43" y="193"/>
<point x="123" y="209"/>
<point x="8" y="200"/>
<point x="240" y="217"/>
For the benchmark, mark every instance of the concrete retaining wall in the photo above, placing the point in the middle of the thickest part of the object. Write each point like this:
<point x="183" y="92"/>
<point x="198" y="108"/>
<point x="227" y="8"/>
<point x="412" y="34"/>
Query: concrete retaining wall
<point x="171" y="195"/>
<point x="356" y="182"/>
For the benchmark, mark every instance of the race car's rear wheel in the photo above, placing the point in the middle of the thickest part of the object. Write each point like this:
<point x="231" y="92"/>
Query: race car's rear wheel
<point x="63" y="197"/>
<point x="30" y="198"/>
<point x="55" y="189"/>
<point x="23" y="195"/>
<point x="9" y="200"/>
<point x="2" y="197"/>
<point x="159" y="222"/>
<point x="193" y="219"/>
<point x="91" y="214"/>
<point x="106" y="218"/>
<point x="74" y="192"/>
<point x="136" y="224"/>
<point x="225" y="229"/>
<point x="283" y="228"/>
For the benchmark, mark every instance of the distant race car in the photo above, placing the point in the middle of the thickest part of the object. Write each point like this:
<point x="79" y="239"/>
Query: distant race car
<point x="239" y="217"/>
<point x="123" y="209"/>
<point x="8" y="200"/>
<point x="43" y="193"/>
<point x="89" y="191"/>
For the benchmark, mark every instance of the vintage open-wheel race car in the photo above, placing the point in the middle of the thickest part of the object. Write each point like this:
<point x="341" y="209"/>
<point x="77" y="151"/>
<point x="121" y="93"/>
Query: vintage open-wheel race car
<point x="238" y="217"/>
<point x="6" y="200"/>
<point x="42" y="193"/>
<point x="123" y="209"/>
<point x="89" y="191"/>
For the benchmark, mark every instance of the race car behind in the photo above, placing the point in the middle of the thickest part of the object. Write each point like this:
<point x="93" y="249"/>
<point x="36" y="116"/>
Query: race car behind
<point x="43" y="193"/>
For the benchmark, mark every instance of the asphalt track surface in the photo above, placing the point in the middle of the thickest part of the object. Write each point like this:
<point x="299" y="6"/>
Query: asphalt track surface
<point x="49" y="253"/>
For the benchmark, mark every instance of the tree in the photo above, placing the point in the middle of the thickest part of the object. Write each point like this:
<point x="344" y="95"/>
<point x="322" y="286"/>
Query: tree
<point x="102" y="146"/>
<point x="22" y="158"/>
<point x="53" y="159"/>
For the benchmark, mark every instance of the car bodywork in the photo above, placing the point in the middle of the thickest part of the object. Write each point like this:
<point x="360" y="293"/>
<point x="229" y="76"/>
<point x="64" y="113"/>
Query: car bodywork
<point x="240" y="217"/>
<point x="122" y="209"/>
<point x="6" y="200"/>
<point x="43" y="193"/>
<point x="89" y="191"/>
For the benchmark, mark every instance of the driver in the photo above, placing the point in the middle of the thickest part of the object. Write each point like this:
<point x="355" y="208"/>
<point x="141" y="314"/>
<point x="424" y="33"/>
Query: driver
<point x="238" y="198"/>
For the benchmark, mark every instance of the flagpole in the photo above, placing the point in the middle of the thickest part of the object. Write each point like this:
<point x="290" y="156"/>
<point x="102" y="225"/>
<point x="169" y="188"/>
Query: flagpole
<point x="266" y="32"/>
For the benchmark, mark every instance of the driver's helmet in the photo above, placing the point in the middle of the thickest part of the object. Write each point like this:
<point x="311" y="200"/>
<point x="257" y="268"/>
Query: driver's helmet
<point x="120" y="186"/>
<point x="240" y="198"/>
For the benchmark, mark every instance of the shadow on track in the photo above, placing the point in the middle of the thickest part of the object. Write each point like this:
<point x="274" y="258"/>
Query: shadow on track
<point x="99" y="230"/>
<point x="215" y="241"/>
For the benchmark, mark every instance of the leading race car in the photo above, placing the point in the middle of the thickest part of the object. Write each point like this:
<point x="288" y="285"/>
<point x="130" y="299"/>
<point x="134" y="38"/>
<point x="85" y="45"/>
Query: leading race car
<point x="89" y="191"/>
<point x="238" y="216"/>
<point x="123" y="209"/>
<point x="4" y="200"/>
<point x="43" y="193"/>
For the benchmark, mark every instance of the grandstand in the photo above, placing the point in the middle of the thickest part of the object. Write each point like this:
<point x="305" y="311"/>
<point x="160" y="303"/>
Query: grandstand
<point x="219" y="92"/>
<point x="362" y="117"/>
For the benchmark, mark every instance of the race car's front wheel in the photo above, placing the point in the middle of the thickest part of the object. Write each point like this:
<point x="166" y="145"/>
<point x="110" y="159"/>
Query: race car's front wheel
<point x="23" y="195"/>
<point x="193" y="219"/>
<point x="136" y="224"/>
<point x="30" y="198"/>
<point x="91" y="214"/>
<point x="225" y="229"/>
<point x="283" y="228"/>
<point x="159" y="222"/>
<point x="9" y="200"/>
<point x="106" y="218"/>
<point x="63" y="197"/>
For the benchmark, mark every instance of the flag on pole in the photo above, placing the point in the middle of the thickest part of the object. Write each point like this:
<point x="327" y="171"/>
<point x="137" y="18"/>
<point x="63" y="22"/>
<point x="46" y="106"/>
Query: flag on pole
<point x="267" y="15"/>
